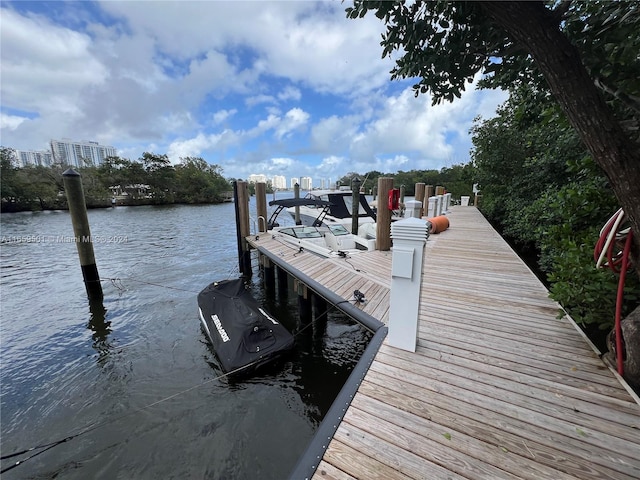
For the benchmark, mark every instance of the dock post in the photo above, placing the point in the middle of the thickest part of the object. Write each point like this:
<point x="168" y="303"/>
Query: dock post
<point x="429" y="192"/>
<point x="419" y="195"/>
<point x="304" y="302"/>
<point x="283" y="282"/>
<point x="409" y="238"/>
<point x="296" y="194"/>
<point x="320" y="316"/>
<point x="320" y="308"/>
<point x="78" y="211"/>
<point x="241" y="199"/>
<point x="374" y="192"/>
<point x="269" y="274"/>
<point x="447" y="202"/>
<point x="355" y="204"/>
<point x="261" y="206"/>
<point x="383" y="220"/>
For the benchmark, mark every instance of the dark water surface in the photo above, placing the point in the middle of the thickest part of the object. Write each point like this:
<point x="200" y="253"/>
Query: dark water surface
<point x="135" y="376"/>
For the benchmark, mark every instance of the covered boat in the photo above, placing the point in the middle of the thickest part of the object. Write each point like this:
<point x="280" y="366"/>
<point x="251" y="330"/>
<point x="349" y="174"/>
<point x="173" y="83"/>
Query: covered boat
<point x="242" y="334"/>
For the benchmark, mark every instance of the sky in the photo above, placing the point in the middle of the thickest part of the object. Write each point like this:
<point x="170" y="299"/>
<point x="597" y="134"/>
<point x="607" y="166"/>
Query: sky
<point x="290" y="88"/>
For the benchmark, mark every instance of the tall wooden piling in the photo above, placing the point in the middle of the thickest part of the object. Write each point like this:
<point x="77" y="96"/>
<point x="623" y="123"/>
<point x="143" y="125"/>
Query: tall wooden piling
<point x="84" y="243"/>
<point x="429" y="191"/>
<point x="296" y="194"/>
<point x="439" y="190"/>
<point x="383" y="221"/>
<point x="355" y="204"/>
<point x="241" y="199"/>
<point x="261" y="206"/>
<point x="419" y="196"/>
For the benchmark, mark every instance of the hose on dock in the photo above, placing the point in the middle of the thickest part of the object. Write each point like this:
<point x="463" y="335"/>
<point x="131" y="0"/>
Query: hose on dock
<point x="612" y="251"/>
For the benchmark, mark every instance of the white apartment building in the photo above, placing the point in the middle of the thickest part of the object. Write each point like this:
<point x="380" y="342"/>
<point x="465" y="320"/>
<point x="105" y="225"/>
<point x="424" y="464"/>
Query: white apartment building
<point x="41" y="158"/>
<point x="293" y="181"/>
<point x="279" y="182"/>
<point x="80" y="154"/>
<point x="259" y="178"/>
<point x="306" y="183"/>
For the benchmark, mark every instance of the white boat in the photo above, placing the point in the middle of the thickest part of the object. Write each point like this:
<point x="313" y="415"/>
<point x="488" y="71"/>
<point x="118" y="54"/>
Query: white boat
<point x="327" y="240"/>
<point x="339" y="211"/>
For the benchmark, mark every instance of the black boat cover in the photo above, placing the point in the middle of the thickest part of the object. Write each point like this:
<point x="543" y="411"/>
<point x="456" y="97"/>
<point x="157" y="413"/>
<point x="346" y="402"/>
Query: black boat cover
<point x="241" y="332"/>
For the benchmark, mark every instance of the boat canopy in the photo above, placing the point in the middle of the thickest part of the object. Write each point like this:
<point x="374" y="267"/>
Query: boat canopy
<point x="298" y="202"/>
<point x="283" y="203"/>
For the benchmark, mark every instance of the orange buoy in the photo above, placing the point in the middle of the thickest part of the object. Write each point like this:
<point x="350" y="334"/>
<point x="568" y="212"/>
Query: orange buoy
<point x="438" y="224"/>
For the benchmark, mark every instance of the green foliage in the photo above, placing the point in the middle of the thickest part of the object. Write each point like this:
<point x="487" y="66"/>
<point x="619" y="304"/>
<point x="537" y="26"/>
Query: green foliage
<point x="444" y="43"/>
<point x="544" y="191"/>
<point x="153" y="179"/>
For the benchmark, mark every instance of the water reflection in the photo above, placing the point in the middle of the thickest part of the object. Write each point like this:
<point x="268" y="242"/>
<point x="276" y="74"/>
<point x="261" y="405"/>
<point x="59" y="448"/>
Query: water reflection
<point x="100" y="328"/>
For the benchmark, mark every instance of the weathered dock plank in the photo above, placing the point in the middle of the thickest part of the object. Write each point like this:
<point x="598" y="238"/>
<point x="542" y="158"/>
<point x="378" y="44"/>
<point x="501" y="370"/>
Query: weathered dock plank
<point x="498" y="387"/>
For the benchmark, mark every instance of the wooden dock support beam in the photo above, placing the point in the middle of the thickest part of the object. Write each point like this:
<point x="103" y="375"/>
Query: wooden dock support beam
<point x="283" y="282"/>
<point x="269" y="273"/>
<point x="304" y="301"/>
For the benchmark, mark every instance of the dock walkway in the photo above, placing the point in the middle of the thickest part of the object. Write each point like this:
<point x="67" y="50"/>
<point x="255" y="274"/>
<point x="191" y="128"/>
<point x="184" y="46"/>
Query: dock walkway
<point x="499" y="387"/>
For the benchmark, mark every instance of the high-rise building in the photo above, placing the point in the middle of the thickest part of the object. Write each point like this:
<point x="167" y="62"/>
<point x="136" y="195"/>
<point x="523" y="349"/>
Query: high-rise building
<point x="279" y="182"/>
<point x="41" y="158"/>
<point x="259" y="178"/>
<point x="80" y="154"/>
<point x="294" y="180"/>
<point x="306" y="183"/>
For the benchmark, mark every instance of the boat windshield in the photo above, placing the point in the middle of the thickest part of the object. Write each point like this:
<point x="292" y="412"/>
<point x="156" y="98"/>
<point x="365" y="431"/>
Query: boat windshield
<point x="301" y="232"/>
<point x="338" y="230"/>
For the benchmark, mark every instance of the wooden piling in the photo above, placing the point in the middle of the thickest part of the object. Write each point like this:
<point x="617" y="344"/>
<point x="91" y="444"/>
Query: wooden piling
<point x="429" y="191"/>
<point x="261" y="206"/>
<point x="241" y="194"/>
<point x="419" y="196"/>
<point x="383" y="222"/>
<point x="296" y="194"/>
<point x="439" y="190"/>
<point x="283" y="282"/>
<point x="304" y="301"/>
<point x="78" y="211"/>
<point x="355" y="204"/>
<point x="269" y="274"/>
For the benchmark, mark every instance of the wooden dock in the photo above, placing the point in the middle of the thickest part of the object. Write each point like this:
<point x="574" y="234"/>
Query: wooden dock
<point x="499" y="387"/>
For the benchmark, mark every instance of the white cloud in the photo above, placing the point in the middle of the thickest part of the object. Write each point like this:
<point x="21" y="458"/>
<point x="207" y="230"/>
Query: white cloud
<point x="293" y="88"/>
<point x="222" y="115"/>
<point x="11" y="122"/>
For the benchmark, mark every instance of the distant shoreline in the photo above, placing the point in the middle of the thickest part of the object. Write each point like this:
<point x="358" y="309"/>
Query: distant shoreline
<point x="12" y="207"/>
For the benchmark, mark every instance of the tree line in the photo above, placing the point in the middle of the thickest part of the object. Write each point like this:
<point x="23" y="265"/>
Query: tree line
<point x="152" y="179"/>
<point x="564" y="152"/>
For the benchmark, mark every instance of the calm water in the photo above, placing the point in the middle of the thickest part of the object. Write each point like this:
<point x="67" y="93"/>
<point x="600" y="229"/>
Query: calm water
<point x="135" y="376"/>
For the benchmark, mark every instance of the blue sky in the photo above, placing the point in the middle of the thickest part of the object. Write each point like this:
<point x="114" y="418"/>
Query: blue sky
<point x="289" y="88"/>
